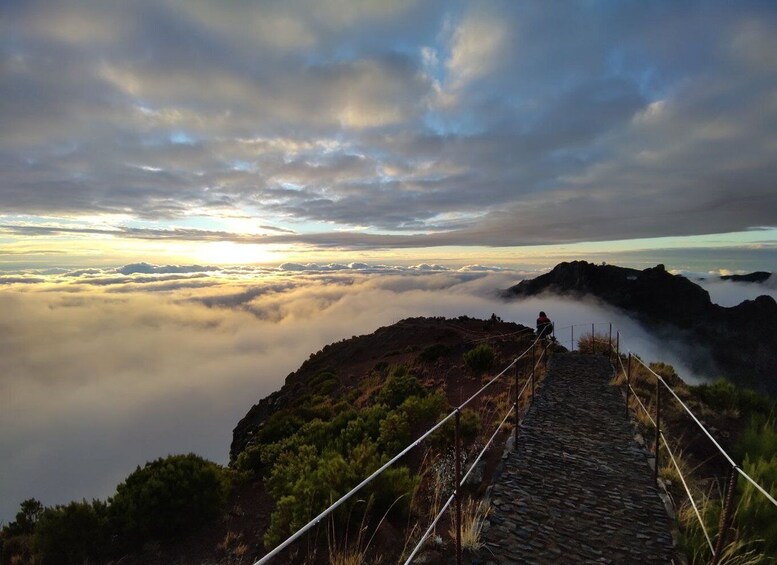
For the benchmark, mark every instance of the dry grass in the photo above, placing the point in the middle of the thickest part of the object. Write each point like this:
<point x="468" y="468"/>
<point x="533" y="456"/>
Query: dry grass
<point x="473" y="517"/>
<point x="233" y="546"/>
<point x="599" y="343"/>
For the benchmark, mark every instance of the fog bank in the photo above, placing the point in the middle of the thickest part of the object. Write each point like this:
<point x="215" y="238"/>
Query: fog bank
<point x="99" y="374"/>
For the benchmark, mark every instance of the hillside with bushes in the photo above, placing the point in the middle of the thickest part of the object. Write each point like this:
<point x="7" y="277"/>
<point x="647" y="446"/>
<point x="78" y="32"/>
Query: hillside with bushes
<point x="346" y="411"/>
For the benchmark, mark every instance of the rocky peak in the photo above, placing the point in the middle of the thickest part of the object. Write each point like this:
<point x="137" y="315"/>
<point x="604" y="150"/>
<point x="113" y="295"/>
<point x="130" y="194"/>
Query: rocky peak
<point x="742" y="339"/>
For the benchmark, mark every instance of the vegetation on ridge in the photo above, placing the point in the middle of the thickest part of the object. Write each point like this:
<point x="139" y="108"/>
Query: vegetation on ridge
<point x="332" y="429"/>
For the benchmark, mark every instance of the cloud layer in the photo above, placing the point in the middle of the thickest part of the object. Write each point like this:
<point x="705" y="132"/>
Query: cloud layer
<point x="409" y="123"/>
<point x="101" y="371"/>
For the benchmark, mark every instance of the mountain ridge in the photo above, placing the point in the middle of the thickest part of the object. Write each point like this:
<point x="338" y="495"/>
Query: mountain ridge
<point x="741" y="340"/>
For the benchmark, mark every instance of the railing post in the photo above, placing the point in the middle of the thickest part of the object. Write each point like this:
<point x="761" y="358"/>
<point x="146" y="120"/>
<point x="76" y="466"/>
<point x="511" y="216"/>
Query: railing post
<point x="515" y="406"/>
<point x="609" y="351"/>
<point x="628" y="382"/>
<point x="618" y="344"/>
<point x="658" y="427"/>
<point x="457" y="440"/>
<point x="593" y="339"/>
<point x="726" y="515"/>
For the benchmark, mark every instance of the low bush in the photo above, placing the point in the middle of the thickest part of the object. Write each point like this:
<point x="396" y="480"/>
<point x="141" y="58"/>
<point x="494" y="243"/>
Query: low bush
<point x="168" y="497"/>
<point x="399" y="386"/>
<point x="434" y="352"/>
<point x="481" y="358"/>
<point x="597" y="343"/>
<point x="756" y="515"/>
<point x="469" y="428"/>
<point x="723" y="395"/>
<point x="75" y="533"/>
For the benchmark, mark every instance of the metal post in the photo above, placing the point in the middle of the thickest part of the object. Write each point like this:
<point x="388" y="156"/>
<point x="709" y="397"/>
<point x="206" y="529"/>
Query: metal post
<point x="572" y="339"/>
<point x="618" y="344"/>
<point x="628" y="383"/>
<point x="457" y="492"/>
<point x="609" y="351"/>
<point x="593" y="339"/>
<point x="515" y="406"/>
<point x="726" y="515"/>
<point x="658" y="427"/>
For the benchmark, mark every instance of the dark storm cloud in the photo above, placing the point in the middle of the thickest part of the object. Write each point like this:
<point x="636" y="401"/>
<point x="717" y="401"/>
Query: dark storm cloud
<point x="494" y="123"/>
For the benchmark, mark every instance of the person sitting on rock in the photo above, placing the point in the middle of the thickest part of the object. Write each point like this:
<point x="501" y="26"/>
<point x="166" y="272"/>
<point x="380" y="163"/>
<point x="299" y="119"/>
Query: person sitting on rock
<point x="544" y="325"/>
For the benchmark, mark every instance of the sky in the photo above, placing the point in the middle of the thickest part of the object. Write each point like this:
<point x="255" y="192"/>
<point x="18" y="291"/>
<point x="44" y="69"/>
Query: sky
<point x="190" y="131"/>
<point x="102" y="370"/>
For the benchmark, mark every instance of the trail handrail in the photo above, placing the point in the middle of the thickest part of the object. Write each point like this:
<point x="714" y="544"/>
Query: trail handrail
<point x="671" y="455"/>
<point x="469" y="471"/>
<point x="350" y="493"/>
<point x="727" y="502"/>
<point x="712" y="439"/>
<point x="323" y="514"/>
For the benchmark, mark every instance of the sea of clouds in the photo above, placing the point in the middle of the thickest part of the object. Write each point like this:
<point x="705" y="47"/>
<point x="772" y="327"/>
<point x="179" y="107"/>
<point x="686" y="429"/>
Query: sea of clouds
<point x="104" y="369"/>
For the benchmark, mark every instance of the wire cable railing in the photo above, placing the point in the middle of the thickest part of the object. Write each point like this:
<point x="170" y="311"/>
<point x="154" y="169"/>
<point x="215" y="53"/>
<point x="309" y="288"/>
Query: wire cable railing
<point x="735" y="470"/>
<point x="459" y="481"/>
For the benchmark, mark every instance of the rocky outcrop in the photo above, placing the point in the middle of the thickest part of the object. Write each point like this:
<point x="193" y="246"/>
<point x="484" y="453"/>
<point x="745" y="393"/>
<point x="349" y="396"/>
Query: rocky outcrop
<point x="742" y="340"/>
<point x="756" y="277"/>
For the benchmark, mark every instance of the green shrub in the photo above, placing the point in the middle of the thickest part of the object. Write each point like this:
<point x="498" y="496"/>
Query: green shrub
<point x="395" y="433"/>
<point x="318" y="479"/>
<point x="723" y="395"/>
<point x="423" y="412"/>
<point x="399" y="386"/>
<point x="434" y="352"/>
<point x="323" y="383"/>
<point x="759" y="440"/>
<point x="250" y="459"/>
<point x="481" y="358"/>
<point x="393" y="490"/>
<point x="756" y="515"/>
<point x="469" y="428"/>
<point x="366" y="426"/>
<point x="169" y="497"/>
<point x="75" y="533"/>
<point x="279" y="425"/>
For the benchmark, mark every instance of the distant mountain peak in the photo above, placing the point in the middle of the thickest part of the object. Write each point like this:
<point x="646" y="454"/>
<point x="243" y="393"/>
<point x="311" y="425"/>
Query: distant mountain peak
<point x="742" y="340"/>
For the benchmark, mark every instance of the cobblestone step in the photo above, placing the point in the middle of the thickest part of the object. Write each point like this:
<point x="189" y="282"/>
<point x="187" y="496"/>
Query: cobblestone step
<point x="576" y="488"/>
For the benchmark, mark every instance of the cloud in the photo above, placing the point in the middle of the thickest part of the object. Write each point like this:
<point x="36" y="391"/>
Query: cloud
<point x="731" y="293"/>
<point x="146" y="268"/>
<point x="93" y="383"/>
<point x="494" y="124"/>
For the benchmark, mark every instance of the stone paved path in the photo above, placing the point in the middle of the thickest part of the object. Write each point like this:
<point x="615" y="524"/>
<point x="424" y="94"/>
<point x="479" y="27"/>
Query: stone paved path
<point x="577" y="488"/>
